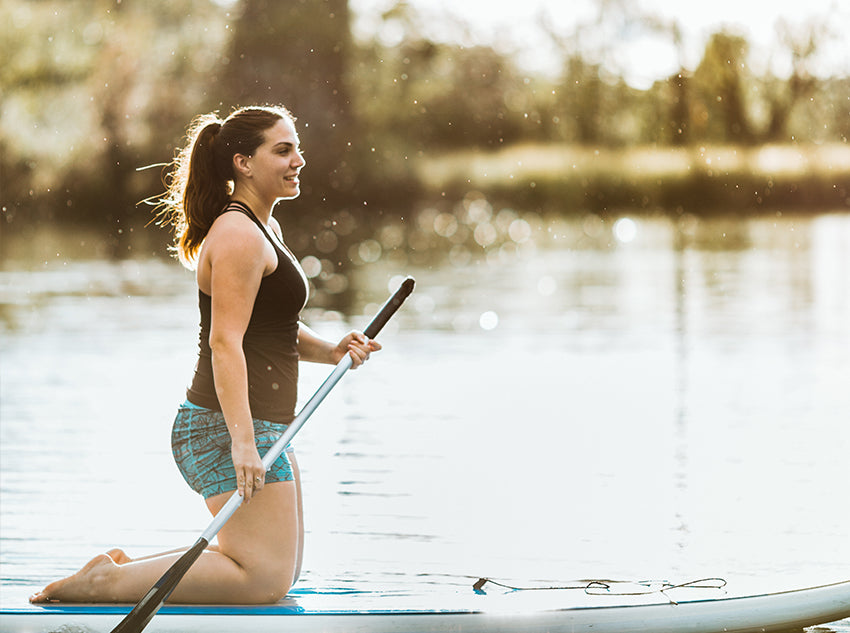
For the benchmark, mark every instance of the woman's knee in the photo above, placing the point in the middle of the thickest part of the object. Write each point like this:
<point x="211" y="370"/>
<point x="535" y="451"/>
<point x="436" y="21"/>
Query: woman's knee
<point x="262" y="539"/>
<point x="270" y="585"/>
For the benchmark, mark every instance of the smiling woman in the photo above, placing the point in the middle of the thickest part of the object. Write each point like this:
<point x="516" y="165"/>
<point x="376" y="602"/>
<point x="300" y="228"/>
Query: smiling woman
<point x="251" y="291"/>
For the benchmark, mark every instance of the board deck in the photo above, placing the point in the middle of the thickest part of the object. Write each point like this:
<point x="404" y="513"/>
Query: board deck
<point x="619" y="608"/>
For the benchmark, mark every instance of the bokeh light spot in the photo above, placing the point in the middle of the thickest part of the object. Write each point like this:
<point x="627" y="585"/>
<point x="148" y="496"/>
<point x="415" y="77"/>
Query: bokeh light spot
<point x="336" y="283"/>
<point x="370" y="251"/>
<point x="459" y="256"/>
<point x="488" y="320"/>
<point x="625" y="230"/>
<point x="326" y="241"/>
<point x="519" y="231"/>
<point x="392" y="237"/>
<point x="445" y="225"/>
<point x="312" y="266"/>
<point x="485" y="234"/>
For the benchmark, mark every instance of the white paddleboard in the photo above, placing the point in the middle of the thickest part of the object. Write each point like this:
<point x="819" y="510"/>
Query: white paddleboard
<point x="585" y="607"/>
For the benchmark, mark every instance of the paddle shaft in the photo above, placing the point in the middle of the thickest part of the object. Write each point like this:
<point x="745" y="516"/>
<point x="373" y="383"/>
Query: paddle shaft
<point x="307" y="410"/>
<point x="138" y="618"/>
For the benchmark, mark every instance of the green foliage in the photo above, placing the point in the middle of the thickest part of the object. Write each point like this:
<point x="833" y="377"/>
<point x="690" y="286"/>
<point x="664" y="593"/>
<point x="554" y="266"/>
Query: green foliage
<point x="720" y="79"/>
<point x="437" y="95"/>
<point x="296" y="53"/>
<point x="92" y="90"/>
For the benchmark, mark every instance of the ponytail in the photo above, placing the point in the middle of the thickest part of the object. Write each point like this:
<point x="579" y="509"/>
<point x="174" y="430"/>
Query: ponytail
<point x="205" y="195"/>
<point x="195" y="190"/>
<point x="201" y="181"/>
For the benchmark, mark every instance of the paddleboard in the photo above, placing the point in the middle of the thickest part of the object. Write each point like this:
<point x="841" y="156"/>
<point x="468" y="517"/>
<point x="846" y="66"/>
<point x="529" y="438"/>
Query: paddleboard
<point x="597" y="606"/>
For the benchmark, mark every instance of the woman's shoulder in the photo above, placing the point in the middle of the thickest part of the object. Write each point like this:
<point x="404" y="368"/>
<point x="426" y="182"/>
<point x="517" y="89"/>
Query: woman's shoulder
<point x="236" y="229"/>
<point x="234" y="216"/>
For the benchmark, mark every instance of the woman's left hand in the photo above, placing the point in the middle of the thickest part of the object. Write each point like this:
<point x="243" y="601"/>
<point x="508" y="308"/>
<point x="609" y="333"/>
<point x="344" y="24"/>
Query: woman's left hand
<point x="356" y="345"/>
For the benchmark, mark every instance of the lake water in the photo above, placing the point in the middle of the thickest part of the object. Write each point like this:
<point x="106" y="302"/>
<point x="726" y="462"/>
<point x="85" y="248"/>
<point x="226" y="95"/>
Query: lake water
<point x="645" y="399"/>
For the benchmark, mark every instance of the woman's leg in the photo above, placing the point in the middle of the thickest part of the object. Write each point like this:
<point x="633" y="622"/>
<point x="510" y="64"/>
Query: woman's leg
<point x="255" y="561"/>
<point x="299" y="506"/>
<point x="121" y="557"/>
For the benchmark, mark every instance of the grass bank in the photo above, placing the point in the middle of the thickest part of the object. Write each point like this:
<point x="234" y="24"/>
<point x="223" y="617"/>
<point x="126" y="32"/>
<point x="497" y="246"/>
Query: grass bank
<point x="700" y="179"/>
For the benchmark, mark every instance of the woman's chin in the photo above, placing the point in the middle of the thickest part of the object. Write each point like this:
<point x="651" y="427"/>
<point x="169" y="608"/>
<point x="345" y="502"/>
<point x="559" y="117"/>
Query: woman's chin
<point x="290" y="195"/>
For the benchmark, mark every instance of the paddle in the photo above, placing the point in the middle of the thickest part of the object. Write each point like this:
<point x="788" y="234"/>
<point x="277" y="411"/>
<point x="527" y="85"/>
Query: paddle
<point x="147" y="607"/>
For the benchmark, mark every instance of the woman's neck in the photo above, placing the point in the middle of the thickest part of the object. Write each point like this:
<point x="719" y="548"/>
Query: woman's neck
<point x="261" y="208"/>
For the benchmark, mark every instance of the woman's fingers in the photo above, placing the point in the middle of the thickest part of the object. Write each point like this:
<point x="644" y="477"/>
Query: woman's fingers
<point x="241" y="487"/>
<point x="358" y="355"/>
<point x="359" y="348"/>
<point x="249" y="482"/>
<point x="249" y="486"/>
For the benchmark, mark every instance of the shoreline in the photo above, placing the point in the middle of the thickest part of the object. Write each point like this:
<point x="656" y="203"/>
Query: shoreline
<point x="703" y="180"/>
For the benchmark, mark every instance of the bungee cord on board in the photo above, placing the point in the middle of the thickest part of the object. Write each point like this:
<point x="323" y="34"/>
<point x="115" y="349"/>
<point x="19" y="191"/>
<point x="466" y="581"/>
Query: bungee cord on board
<point x="606" y="587"/>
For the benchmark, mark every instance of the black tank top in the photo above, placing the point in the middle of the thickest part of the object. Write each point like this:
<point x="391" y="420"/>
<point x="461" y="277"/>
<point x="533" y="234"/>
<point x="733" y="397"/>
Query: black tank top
<point x="270" y="342"/>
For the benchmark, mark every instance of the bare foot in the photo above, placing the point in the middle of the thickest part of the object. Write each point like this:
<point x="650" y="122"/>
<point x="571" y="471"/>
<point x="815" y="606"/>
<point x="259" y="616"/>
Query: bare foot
<point x="90" y="584"/>
<point x="119" y="556"/>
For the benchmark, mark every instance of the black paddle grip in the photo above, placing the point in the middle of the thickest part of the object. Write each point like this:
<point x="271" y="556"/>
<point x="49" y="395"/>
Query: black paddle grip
<point x="389" y="308"/>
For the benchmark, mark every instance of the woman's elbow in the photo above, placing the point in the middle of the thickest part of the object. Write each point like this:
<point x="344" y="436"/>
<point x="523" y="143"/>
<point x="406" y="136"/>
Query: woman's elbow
<point x="224" y="344"/>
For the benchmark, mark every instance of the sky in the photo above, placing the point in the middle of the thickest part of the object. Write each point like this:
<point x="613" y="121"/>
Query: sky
<point x="640" y="54"/>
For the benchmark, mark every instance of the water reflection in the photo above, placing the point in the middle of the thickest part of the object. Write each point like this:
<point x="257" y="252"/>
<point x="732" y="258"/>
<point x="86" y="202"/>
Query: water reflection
<point x="458" y="235"/>
<point x="664" y="398"/>
<point x="474" y="234"/>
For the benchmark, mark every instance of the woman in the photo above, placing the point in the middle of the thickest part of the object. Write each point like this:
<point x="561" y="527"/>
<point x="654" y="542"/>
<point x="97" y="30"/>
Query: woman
<point x="251" y="290"/>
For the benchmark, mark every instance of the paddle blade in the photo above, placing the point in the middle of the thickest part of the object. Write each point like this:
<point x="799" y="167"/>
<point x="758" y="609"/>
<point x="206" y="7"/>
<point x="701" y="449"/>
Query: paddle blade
<point x="147" y="607"/>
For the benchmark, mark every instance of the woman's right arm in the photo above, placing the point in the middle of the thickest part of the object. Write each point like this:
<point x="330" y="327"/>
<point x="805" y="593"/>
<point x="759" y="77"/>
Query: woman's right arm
<point x="235" y="265"/>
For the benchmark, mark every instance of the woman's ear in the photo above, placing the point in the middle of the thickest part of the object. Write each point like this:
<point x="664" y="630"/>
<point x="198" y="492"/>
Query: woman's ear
<point x="241" y="166"/>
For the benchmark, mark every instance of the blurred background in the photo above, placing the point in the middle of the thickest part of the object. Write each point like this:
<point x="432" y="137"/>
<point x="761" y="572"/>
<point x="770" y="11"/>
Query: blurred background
<point x="405" y="107"/>
<point x="627" y="352"/>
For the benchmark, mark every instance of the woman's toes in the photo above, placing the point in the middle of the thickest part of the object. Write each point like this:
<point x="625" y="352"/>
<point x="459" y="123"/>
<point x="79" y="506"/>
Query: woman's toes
<point x="118" y="556"/>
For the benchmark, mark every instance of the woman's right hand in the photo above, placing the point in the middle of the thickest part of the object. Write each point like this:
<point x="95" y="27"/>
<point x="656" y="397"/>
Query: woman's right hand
<point x="250" y="472"/>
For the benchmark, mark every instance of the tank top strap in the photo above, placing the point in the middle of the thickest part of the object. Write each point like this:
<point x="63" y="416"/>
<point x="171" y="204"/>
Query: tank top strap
<point x="241" y="207"/>
<point x="235" y="205"/>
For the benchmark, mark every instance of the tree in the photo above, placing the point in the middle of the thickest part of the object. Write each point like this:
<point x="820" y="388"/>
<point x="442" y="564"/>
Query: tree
<point x="296" y="53"/>
<point x="721" y="77"/>
<point x="93" y="90"/>
<point x="802" y="43"/>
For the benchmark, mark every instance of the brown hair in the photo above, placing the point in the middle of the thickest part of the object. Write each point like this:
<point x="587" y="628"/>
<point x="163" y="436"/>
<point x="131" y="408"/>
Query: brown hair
<point x="200" y="182"/>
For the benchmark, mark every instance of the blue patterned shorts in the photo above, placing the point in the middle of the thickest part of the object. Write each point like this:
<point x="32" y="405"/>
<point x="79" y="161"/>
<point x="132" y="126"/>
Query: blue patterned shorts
<point x="200" y="443"/>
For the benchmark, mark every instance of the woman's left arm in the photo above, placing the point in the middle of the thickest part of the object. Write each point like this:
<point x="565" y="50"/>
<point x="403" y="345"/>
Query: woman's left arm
<point x="315" y="349"/>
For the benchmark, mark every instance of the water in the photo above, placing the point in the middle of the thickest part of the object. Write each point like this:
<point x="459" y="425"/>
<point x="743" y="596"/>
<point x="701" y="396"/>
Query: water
<point x="640" y="400"/>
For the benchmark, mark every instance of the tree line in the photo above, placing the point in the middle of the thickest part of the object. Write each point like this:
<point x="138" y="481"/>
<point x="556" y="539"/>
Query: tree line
<point x="92" y="91"/>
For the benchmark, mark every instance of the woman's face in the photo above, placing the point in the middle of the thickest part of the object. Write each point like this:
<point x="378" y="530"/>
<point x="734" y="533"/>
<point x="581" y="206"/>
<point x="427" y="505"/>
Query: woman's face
<point x="275" y="165"/>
